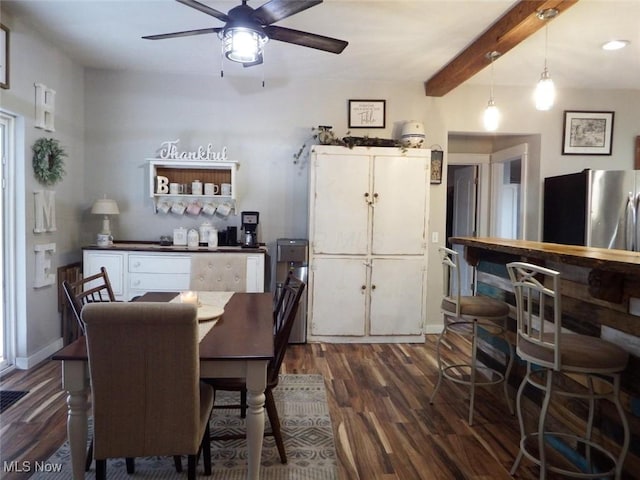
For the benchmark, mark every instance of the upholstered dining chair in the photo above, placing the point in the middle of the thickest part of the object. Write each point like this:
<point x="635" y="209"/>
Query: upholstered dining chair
<point x="593" y="364"/>
<point x="216" y="272"/>
<point x="147" y="397"/>
<point x="467" y="315"/>
<point x="284" y="317"/>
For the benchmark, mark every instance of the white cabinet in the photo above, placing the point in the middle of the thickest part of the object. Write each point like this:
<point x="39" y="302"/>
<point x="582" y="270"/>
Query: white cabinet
<point x="135" y="272"/>
<point x="367" y="231"/>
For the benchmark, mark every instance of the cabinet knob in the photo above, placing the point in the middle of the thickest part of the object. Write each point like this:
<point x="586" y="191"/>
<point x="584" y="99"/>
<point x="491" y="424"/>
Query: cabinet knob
<point x="375" y="195"/>
<point x="136" y="283"/>
<point x="373" y="287"/>
<point x="136" y="265"/>
<point x="363" y="287"/>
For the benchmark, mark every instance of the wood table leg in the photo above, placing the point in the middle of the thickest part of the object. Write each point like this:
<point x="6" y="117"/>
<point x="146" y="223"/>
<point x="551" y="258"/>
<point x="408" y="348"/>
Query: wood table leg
<point x="75" y="382"/>
<point x="256" y="384"/>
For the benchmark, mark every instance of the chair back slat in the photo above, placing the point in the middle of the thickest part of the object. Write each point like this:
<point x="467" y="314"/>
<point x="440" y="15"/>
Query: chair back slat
<point x="539" y="310"/>
<point x="284" y="318"/>
<point x="92" y="289"/>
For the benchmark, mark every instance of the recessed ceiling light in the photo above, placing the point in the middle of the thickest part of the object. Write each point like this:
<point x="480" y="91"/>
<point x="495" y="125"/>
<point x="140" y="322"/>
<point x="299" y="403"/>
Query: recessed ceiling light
<point x="615" y="44"/>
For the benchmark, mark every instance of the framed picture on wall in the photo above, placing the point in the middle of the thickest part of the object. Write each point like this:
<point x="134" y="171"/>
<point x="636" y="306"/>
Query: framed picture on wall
<point x="4" y="56"/>
<point x="587" y="133"/>
<point x="436" y="166"/>
<point x="367" y="113"/>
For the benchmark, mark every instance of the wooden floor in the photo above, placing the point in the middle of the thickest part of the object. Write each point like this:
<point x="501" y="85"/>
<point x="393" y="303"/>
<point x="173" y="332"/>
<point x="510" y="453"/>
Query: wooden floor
<point x="385" y="428"/>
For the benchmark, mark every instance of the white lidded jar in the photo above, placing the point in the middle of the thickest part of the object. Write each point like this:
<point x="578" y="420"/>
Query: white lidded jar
<point x="413" y="135"/>
<point x="192" y="238"/>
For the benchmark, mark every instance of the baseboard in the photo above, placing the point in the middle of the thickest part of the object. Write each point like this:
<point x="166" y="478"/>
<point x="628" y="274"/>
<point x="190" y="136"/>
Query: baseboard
<point x="25" y="363"/>
<point x="433" y="329"/>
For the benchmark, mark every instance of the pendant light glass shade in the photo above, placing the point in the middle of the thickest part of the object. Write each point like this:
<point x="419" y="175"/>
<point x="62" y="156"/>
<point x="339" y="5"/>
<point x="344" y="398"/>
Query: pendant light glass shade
<point x="545" y="94"/>
<point x="491" y="118"/>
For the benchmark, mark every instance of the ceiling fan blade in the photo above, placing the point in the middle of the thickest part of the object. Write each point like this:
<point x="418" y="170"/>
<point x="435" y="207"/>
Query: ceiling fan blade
<point x="276" y="10"/>
<point x="306" y="39"/>
<point x="205" y="9"/>
<point x="186" y="33"/>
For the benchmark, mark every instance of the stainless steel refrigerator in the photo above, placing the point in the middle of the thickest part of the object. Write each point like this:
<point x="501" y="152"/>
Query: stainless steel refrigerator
<point x="293" y="256"/>
<point x="596" y="208"/>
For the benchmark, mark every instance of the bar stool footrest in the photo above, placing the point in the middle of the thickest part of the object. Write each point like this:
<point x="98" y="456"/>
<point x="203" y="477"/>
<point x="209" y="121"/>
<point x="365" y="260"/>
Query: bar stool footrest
<point x="533" y="439"/>
<point x="457" y="379"/>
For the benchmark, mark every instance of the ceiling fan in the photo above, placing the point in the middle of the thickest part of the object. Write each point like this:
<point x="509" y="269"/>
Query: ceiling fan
<point x="247" y="30"/>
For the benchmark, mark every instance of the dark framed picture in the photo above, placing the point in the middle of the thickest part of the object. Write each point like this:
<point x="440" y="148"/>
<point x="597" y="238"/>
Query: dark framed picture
<point x="4" y="56"/>
<point x="367" y="113"/>
<point x="587" y="133"/>
<point x="436" y="166"/>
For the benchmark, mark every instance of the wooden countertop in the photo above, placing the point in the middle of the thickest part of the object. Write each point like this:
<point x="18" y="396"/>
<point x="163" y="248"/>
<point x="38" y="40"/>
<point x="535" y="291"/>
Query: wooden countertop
<point x="621" y="261"/>
<point x="156" y="247"/>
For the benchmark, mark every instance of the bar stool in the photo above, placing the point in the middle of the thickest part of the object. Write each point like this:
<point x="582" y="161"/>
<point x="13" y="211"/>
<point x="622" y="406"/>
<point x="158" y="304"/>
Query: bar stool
<point x="548" y="352"/>
<point x="465" y="315"/>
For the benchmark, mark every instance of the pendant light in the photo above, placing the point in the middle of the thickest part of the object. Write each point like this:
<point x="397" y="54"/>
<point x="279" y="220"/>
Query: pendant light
<point x="491" y="118"/>
<point x="545" y="93"/>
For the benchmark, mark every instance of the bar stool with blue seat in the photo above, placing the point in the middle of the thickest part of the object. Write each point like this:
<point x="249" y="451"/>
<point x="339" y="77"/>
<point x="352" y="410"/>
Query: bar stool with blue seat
<point x="594" y="366"/>
<point x="466" y="315"/>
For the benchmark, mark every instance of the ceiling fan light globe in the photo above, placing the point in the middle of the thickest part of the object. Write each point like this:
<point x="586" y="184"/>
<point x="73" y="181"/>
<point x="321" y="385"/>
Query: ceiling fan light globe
<point x="491" y="118"/>
<point x="545" y="93"/>
<point x="243" y="45"/>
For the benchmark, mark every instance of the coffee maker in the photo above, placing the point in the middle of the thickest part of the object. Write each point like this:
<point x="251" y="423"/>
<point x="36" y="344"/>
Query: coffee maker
<point x="250" y="228"/>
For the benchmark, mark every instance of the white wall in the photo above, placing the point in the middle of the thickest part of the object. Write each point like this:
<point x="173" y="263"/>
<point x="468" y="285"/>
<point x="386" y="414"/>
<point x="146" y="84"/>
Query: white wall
<point x="36" y="60"/>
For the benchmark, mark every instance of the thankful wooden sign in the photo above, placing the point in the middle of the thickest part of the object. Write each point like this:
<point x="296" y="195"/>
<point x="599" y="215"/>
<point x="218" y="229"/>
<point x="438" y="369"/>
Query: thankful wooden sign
<point x="169" y="151"/>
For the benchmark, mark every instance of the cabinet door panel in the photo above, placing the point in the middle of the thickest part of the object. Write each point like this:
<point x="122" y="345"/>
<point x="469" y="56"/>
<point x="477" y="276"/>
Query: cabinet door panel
<point x="340" y="209"/>
<point x="339" y="301"/>
<point x="114" y="263"/>
<point x="397" y="299"/>
<point x="400" y="189"/>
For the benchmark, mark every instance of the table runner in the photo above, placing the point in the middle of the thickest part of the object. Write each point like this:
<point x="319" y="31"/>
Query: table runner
<point x="214" y="299"/>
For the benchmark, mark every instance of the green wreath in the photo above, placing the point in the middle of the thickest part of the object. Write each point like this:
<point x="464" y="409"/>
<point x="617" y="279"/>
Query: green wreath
<point x="48" y="164"/>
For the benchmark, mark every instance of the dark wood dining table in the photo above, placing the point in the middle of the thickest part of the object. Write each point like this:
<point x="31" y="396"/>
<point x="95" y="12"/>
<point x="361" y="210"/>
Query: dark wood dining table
<point x="239" y="345"/>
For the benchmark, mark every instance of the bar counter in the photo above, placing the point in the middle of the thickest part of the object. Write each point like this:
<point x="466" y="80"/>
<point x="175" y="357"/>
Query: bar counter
<point x="600" y="288"/>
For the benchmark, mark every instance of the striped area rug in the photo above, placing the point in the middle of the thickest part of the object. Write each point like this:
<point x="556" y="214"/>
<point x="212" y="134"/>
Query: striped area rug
<point x="306" y="427"/>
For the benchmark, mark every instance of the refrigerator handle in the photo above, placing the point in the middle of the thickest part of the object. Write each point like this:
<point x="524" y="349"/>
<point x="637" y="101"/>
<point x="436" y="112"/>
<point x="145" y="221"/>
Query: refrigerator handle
<point x="636" y="230"/>
<point x="630" y="224"/>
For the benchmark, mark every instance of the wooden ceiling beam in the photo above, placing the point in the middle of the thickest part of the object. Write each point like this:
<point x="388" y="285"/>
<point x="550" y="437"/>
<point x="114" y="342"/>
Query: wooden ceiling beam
<point x="513" y="27"/>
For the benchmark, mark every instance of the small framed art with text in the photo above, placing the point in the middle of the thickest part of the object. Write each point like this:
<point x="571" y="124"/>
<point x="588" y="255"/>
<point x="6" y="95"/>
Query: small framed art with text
<point x="587" y="133"/>
<point x="367" y="113"/>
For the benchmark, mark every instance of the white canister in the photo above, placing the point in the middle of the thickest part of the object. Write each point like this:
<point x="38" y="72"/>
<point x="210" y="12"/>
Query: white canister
<point x="193" y="239"/>
<point x="196" y="187"/>
<point x="413" y="135"/>
<point x="213" y="238"/>
<point x="180" y="236"/>
<point x="204" y="230"/>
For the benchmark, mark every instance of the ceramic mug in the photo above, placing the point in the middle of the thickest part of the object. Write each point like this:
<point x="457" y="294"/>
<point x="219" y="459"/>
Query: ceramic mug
<point x="194" y="208"/>
<point x="104" y="240"/>
<point x="209" y="209"/>
<point x="225" y="189"/>
<point x="164" y="207"/>
<point x="211" y="189"/>
<point x="178" y="208"/>
<point x="223" y="210"/>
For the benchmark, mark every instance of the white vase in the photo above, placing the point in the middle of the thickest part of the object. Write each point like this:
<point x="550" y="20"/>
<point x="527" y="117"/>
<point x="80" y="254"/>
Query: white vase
<point x="413" y="135"/>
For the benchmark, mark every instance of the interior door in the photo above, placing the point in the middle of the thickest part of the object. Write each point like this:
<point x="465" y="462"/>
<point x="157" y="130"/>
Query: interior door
<point x="508" y="192"/>
<point x="340" y="206"/>
<point x="400" y="189"/>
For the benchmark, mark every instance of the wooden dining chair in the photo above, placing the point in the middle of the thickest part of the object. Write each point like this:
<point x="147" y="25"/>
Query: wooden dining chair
<point x="147" y="397"/>
<point x="91" y="289"/>
<point x="285" y="310"/>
